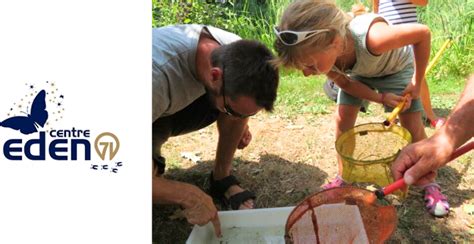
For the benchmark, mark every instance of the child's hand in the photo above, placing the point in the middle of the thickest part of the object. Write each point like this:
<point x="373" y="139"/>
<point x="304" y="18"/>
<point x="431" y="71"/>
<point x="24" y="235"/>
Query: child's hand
<point x="392" y="100"/>
<point x="413" y="90"/>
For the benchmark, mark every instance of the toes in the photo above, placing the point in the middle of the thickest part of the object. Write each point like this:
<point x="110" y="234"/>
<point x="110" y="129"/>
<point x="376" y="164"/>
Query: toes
<point x="247" y="205"/>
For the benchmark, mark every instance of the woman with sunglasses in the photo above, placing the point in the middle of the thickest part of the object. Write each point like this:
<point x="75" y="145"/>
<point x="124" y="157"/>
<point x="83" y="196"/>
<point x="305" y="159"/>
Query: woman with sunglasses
<point x="367" y="58"/>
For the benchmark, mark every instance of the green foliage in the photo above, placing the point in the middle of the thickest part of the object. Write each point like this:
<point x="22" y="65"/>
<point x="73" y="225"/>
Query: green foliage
<point x="451" y="19"/>
<point x="248" y="19"/>
<point x="194" y="12"/>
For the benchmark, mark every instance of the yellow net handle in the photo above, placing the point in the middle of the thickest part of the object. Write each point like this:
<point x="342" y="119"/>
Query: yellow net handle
<point x="391" y="117"/>
<point x="438" y="55"/>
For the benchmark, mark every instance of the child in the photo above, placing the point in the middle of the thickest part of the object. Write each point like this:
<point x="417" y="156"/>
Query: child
<point x="398" y="12"/>
<point x="361" y="55"/>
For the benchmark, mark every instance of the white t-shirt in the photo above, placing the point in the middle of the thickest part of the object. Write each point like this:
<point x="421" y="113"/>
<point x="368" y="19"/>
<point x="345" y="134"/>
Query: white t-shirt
<point x="175" y="84"/>
<point x="369" y="65"/>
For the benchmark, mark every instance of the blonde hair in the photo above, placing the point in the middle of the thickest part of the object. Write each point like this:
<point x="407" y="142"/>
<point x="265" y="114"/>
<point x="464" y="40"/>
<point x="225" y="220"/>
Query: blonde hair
<point x="307" y="15"/>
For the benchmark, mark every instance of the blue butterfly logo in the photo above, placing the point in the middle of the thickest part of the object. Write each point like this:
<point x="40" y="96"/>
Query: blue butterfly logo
<point x="30" y="123"/>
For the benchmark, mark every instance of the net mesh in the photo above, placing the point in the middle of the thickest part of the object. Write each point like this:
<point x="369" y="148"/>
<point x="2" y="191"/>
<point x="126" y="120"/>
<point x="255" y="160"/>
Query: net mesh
<point x="368" y="150"/>
<point x="302" y="226"/>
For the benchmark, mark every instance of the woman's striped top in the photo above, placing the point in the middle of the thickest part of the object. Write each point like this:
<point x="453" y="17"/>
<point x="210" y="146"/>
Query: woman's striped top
<point x="398" y="11"/>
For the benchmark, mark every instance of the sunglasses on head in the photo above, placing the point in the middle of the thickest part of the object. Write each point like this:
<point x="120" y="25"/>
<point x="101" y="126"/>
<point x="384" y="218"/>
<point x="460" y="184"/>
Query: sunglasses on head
<point x="290" y="38"/>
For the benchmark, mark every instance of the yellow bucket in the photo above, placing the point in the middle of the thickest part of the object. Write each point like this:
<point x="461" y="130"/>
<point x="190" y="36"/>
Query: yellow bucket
<point x="368" y="150"/>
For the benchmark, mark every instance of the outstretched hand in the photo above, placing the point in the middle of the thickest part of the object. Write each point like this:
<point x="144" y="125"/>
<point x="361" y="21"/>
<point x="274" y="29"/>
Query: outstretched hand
<point x="200" y="209"/>
<point x="418" y="162"/>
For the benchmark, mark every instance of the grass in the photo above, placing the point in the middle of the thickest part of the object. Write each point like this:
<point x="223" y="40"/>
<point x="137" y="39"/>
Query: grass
<point x="298" y="94"/>
<point x="451" y="19"/>
<point x="304" y="95"/>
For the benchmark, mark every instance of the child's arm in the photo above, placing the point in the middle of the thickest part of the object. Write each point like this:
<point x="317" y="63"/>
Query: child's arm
<point x="383" y="38"/>
<point x="360" y="90"/>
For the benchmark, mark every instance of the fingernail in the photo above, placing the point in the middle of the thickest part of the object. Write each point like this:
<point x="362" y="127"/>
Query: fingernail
<point x="409" y="179"/>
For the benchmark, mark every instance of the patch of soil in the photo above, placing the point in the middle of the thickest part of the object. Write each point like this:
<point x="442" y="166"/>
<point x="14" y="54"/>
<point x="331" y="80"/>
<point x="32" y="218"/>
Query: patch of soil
<point x="289" y="159"/>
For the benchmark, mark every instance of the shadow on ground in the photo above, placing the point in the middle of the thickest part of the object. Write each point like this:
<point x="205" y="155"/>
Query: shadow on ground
<point x="276" y="181"/>
<point x="414" y="222"/>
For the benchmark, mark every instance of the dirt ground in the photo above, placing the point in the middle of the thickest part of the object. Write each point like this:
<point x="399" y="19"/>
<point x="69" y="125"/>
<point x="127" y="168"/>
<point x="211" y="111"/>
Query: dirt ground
<point x="290" y="158"/>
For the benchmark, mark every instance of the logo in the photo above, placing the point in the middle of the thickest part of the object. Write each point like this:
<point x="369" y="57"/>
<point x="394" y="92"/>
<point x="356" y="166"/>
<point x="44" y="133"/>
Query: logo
<point x="42" y="141"/>
<point x="107" y="146"/>
<point x="30" y="123"/>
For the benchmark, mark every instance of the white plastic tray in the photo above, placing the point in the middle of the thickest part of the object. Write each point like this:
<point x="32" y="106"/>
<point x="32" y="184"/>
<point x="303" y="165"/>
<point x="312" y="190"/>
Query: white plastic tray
<point x="265" y="225"/>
